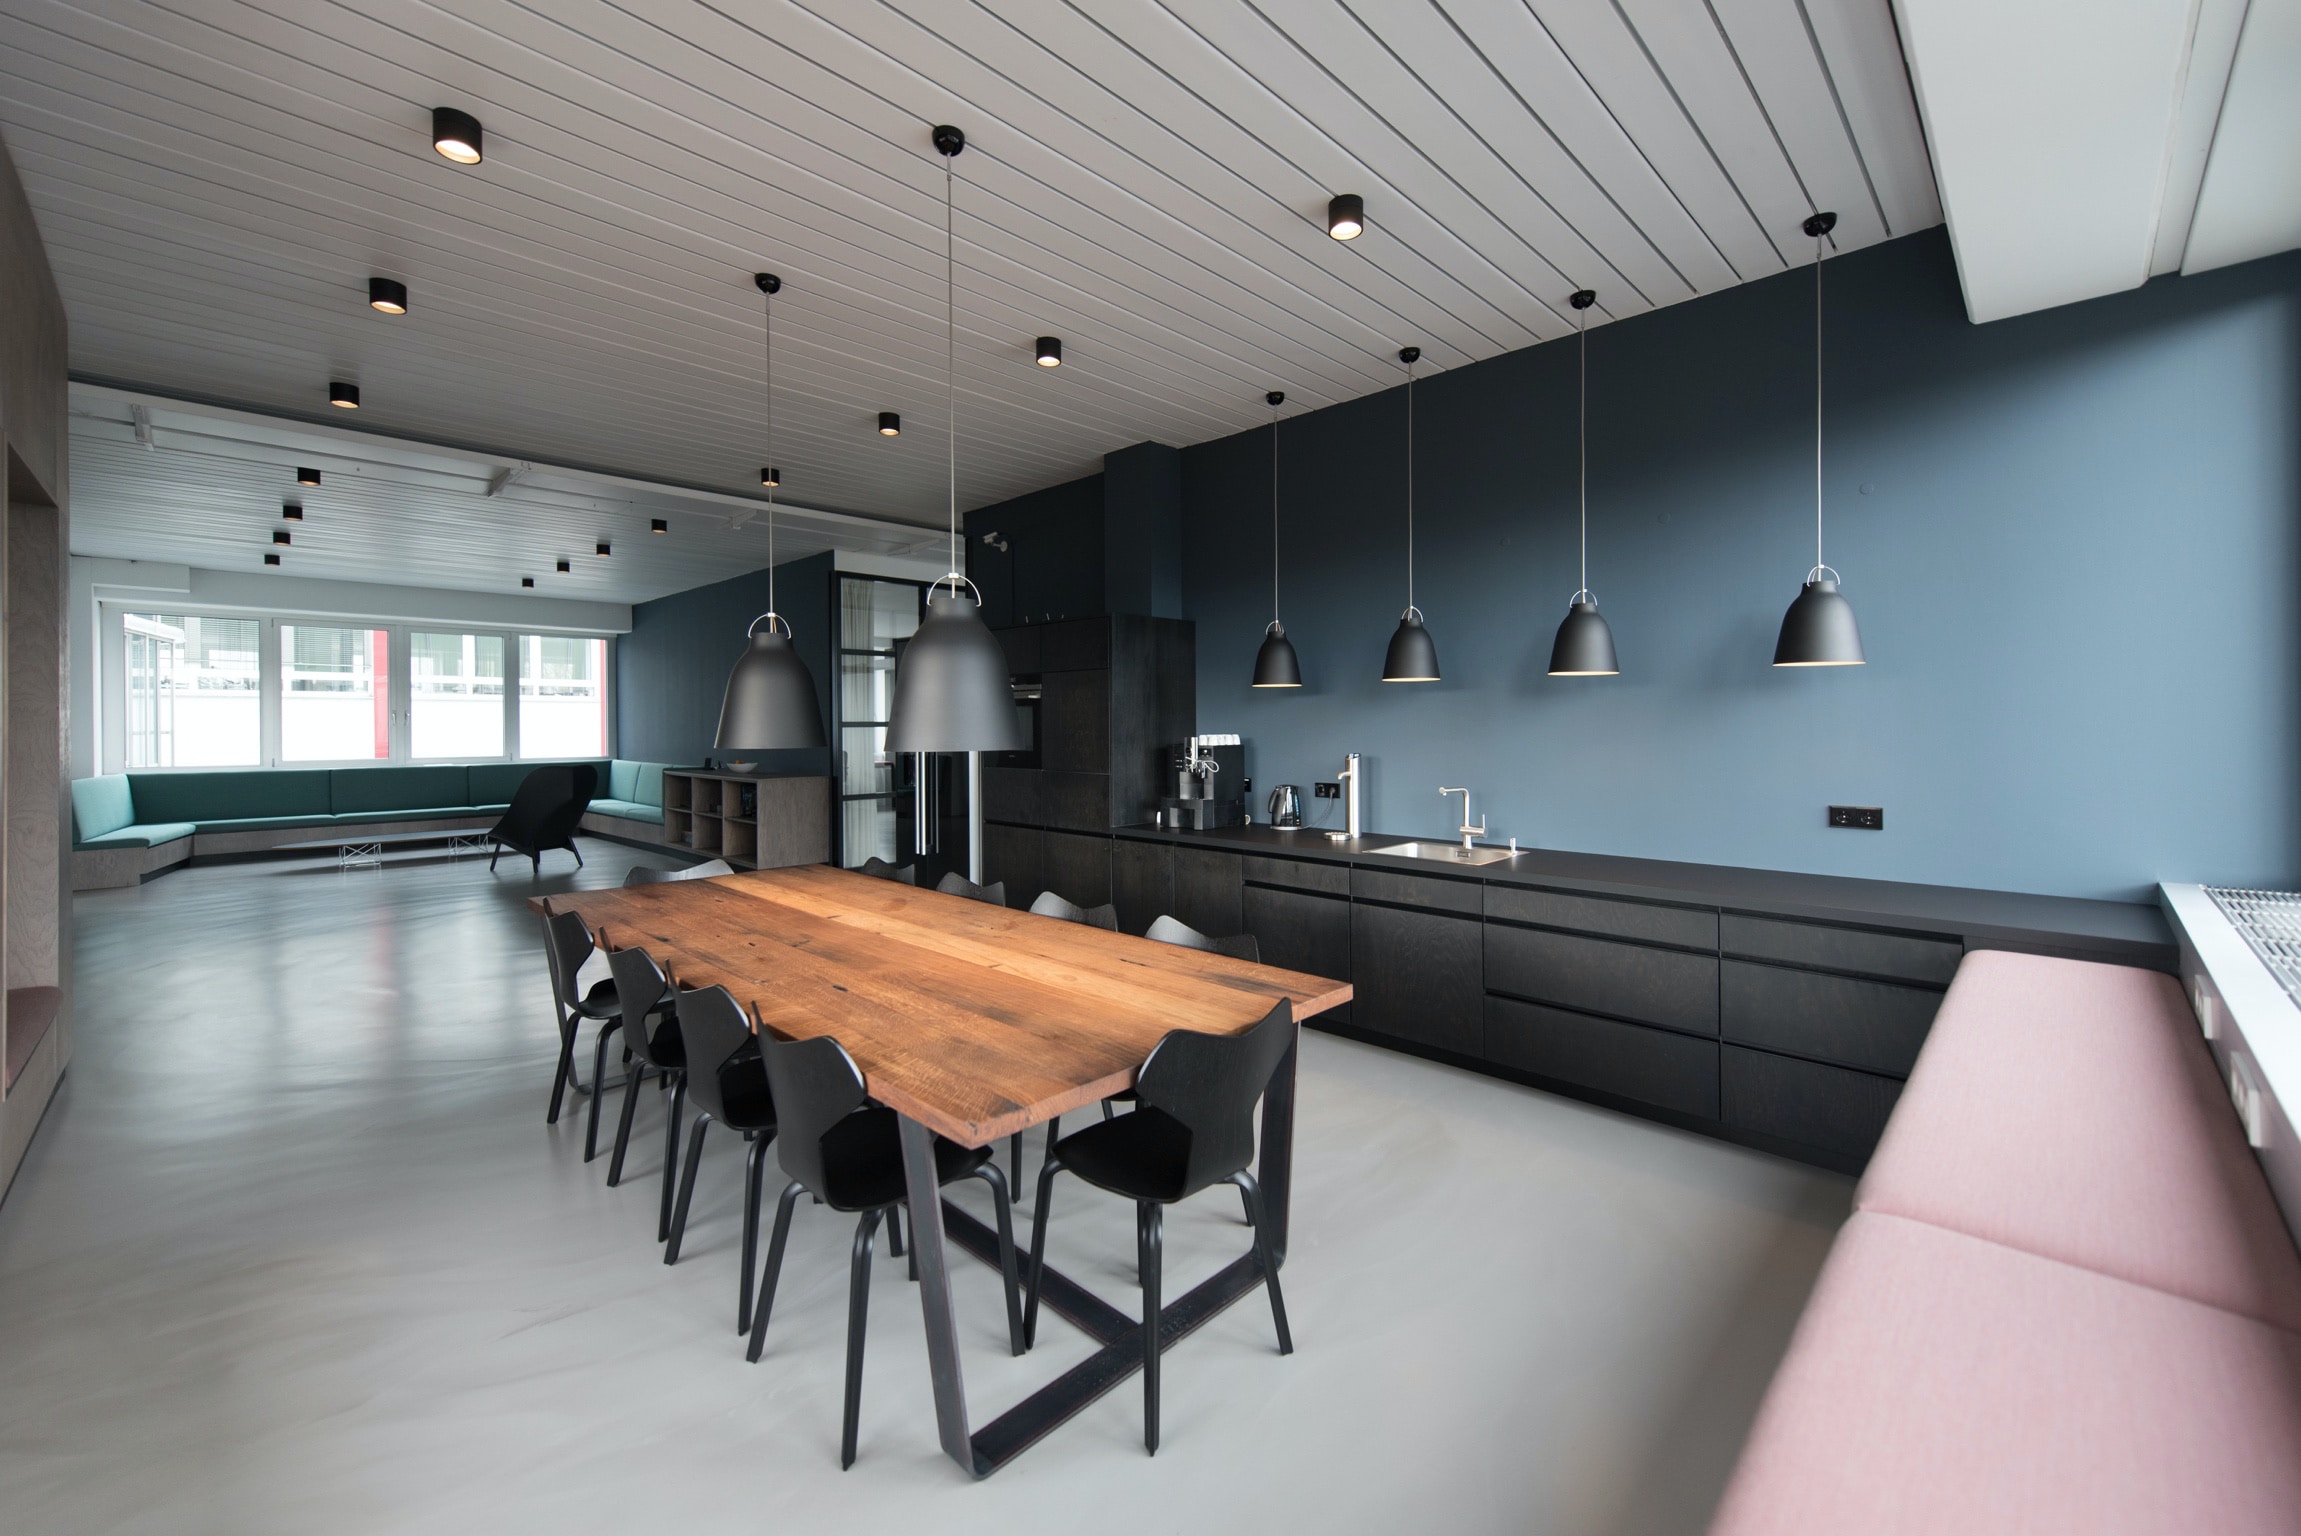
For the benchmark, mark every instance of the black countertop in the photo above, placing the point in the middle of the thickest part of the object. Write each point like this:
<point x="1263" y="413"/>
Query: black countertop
<point x="2116" y="932"/>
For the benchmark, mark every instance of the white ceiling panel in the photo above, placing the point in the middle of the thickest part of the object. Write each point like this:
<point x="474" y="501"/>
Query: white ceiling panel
<point x="2250" y="202"/>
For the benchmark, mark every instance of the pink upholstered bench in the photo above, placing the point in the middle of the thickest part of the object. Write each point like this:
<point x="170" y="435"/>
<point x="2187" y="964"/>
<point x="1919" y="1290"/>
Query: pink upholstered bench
<point x="2066" y="1300"/>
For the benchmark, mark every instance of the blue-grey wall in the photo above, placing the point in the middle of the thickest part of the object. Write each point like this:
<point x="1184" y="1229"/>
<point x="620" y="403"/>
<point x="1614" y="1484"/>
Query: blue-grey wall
<point x="671" y="670"/>
<point x="2070" y="539"/>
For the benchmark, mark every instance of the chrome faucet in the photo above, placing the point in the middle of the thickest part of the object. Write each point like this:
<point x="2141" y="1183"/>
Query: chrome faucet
<point x="1349" y="777"/>
<point x="1468" y="831"/>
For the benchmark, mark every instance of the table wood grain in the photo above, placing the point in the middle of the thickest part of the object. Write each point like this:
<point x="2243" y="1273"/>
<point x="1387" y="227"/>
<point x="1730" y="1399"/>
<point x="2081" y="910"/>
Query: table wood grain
<point x="972" y="1019"/>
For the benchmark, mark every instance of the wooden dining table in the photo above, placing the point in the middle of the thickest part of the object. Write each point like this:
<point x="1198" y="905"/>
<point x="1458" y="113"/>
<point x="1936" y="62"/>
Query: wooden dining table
<point x="973" y="1022"/>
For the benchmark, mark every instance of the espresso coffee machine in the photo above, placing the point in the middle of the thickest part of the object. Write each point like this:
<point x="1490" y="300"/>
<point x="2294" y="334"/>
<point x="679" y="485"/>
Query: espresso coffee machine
<point x="1210" y="783"/>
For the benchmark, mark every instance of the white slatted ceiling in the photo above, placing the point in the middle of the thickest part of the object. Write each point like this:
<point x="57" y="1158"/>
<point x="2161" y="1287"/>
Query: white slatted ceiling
<point x="215" y="178"/>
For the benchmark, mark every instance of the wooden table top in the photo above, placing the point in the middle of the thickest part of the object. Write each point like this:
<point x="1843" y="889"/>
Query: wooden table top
<point x="974" y="1020"/>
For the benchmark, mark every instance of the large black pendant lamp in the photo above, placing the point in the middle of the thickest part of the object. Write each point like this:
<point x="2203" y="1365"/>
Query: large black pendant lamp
<point x="1413" y="655"/>
<point x="953" y="692"/>
<point x="771" y="702"/>
<point x="1585" y="645"/>
<point x="1275" y="665"/>
<point x="1819" y="629"/>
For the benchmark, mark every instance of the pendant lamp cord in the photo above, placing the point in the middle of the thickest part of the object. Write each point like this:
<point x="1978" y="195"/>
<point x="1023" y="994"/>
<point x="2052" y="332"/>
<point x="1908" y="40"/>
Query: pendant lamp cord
<point x="1583" y="384"/>
<point x="1410" y="489"/>
<point x="767" y="326"/>
<point x="1818" y="238"/>
<point x="1274" y="513"/>
<point x="951" y="354"/>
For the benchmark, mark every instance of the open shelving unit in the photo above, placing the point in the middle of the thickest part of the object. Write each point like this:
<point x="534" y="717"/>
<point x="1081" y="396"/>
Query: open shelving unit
<point x="718" y="815"/>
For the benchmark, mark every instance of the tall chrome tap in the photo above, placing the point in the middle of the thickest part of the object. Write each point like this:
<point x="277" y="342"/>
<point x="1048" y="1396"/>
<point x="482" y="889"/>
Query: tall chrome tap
<point x="1468" y="831"/>
<point x="1349" y="776"/>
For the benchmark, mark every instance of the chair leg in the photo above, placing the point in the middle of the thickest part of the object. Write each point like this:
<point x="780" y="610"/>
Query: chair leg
<point x="1039" y="1213"/>
<point x="686" y="1188"/>
<point x="1251" y="1192"/>
<point x="1002" y="1201"/>
<point x="565" y="1070"/>
<point x="633" y="1076"/>
<point x="1150" y="1242"/>
<point x="598" y="1078"/>
<point x="768" y="1276"/>
<point x="671" y="1154"/>
<point x="571" y="848"/>
<point x="858" y="1311"/>
<point x="754" y="1185"/>
<point x="1108" y="1112"/>
<point x="895" y="1237"/>
<point x="1015" y="1159"/>
<point x="495" y="851"/>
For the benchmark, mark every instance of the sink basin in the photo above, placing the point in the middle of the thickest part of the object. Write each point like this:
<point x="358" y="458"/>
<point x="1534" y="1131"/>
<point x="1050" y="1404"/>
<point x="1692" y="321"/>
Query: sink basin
<point x="1444" y="853"/>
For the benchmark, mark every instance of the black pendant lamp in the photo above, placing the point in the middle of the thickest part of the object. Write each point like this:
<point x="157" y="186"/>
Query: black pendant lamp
<point x="953" y="691"/>
<point x="1585" y="644"/>
<point x="1275" y="665"/>
<point x="1413" y="655"/>
<point x="1819" y="630"/>
<point x="771" y="702"/>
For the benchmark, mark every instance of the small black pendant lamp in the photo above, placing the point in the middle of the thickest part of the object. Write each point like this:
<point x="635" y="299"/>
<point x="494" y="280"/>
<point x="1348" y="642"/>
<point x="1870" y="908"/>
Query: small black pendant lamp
<point x="1819" y="629"/>
<point x="1585" y="644"/>
<point x="1413" y="655"/>
<point x="953" y="692"/>
<point x="771" y="702"/>
<point x="1275" y="665"/>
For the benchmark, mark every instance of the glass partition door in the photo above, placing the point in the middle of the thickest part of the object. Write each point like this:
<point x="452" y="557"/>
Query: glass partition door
<point x="874" y="613"/>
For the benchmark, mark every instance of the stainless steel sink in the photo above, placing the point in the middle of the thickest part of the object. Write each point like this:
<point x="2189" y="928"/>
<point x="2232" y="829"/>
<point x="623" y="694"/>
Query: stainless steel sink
<point x="1444" y="853"/>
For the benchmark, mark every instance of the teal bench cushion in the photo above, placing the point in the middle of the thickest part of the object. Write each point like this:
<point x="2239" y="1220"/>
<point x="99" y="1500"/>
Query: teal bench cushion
<point x="352" y="791"/>
<point x="622" y="780"/>
<point x="629" y="810"/>
<point x="142" y="835"/>
<point x="231" y="795"/>
<point x="100" y="805"/>
<point x="650" y="788"/>
<point x="264" y="823"/>
<point x="495" y="783"/>
<point x="408" y="813"/>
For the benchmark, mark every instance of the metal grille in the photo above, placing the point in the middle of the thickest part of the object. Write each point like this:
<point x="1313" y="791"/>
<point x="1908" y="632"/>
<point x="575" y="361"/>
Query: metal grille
<point x="2271" y="923"/>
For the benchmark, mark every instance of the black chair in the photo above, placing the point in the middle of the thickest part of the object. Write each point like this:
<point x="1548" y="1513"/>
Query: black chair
<point x="566" y="945"/>
<point x="848" y="1153"/>
<point x="880" y="869"/>
<point x="543" y="813"/>
<point x="956" y="884"/>
<point x="1194" y="1128"/>
<point x="728" y="1083"/>
<point x="652" y="1035"/>
<point x="1167" y="930"/>
<point x="647" y="875"/>
<point x="1105" y="917"/>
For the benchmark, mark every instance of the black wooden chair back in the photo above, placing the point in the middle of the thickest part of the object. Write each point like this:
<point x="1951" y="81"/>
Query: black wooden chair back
<point x="817" y="1086"/>
<point x="566" y="945"/>
<point x="712" y="1027"/>
<point x="1169" y="930"/>
<point x="879" y="869"/>
<point x="1210" y="1085"/>
<point x="645" y="993"/>
<point x="956" y="884"/>
<point x="649" y="875"/>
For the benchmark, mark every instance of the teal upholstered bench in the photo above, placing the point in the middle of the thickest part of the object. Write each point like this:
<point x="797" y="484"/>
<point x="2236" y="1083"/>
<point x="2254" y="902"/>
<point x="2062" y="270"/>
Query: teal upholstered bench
<point x="630" y="804"/>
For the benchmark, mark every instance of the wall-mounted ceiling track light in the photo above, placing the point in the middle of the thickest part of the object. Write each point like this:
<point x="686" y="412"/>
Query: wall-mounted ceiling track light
<point x="281" y="536"/>
<point x="1050" y="351"/>
<point x="1346" y="216"/>
<point x="890" y="424"/>
<point x="1585" y="644"/>
<point x="271" y="559"/>
<point x="307" y="477"/>
<point x="563" y="567"/>
<point x="1413" y="655"/>
<point x="1275" y="665"/>
<point x="602" y="548"/>
<point x="292" y="511"/>
<point x="1819" y="630"/>
<point x="388" y="295"/>
<point x="658" y="525"/>
<point x="344" y="395"/>
<point x="456" y="135"/>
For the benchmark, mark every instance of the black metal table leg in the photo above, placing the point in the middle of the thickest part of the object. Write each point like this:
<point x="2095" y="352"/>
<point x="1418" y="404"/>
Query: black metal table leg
<point x="935" y="1294"/>
<point x="1276" y="1171"/>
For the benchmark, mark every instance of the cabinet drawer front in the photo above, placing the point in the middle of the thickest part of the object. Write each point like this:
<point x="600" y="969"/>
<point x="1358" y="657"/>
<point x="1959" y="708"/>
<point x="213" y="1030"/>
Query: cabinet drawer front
<point x="1076" y="868"/>
<point x="1299" y="931"/>
<point x="1874" y="1025"/>
<point x="1075" y="722"/>
<point x="1629" y="981"/>
<point x="1686" y="927"/>
<point x="1831" y="1109"/>
<point x="1142" y="882"/>
<point x="1415" y="975"/>
<point x="1014" y="794"/>
<point x="1077" y="802"/>
<point x="1297" y="874"/>
<point x="1206" y="890"/>
<point x="1652" y="1066"/>
<point x="1015" y="857"/>
<point x="1841" y="949"/>
<point x="1464" y="896"/>
<point x="1073" y="645"/>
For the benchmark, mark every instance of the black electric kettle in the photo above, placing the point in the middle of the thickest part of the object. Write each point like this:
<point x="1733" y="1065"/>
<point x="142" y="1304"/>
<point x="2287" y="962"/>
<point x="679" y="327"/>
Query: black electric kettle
<point x="1286" y="806"/>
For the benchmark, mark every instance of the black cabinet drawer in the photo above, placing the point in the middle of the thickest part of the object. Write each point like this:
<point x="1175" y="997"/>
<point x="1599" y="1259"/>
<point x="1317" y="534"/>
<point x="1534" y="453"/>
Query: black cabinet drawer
<point x="1301" y="932"/>
<point x="1297" y="874"/>
<point x="1022" y="647"/>
<point x="1464" y="896"/>
<point x="1414" y="975"/>
<point x="1841" y="949"/>
<point x="1142" y="882"/>
<point x="1651" y="1066"/>
<point x="1686" y="927"/>
<point x="1628" y="981"/>
<point x="1831" y="1109"/>
<point x="1075" y="722"/>
<point x="1014" y="794"/>
<point x="1077" y="802"/>
<point x="1015" y="856"/>
<point x="1075" y="645"/>
<point x="1206" y="890"/>
<point x="1875" y="1025"/>
<point x="1076" y="868"/>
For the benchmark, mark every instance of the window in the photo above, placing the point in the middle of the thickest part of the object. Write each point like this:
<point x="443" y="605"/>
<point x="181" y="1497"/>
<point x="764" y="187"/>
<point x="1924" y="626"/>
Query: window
<point x="335" y="704"/>
<point x="562" y="696"/>
<point x="455" y="695"/>
<point x="194" y="692"/>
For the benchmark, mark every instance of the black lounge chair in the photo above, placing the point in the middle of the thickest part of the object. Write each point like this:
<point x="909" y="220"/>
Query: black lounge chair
<point x="543" y="813"/>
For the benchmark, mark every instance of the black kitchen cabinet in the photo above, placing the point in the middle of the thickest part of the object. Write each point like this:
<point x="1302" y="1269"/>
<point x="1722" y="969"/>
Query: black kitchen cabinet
<point x="1015" y="857"/>
<point x="1875" y="1025"/>
<point x="1076" y="867"/>
<point x="1837" y="1113"/>
<point x="1418" y="976"/>
<point x="1628" y="1061"/>
<point x="1074" y="722"/>
<point x="1631" y="981"/>
<point x="1828" y="947"/>
<point x="1206" y="890"/>
<point x="1075" y="802"/>
<point x="1142" y="882"/>
<point x="1300" y="931"/>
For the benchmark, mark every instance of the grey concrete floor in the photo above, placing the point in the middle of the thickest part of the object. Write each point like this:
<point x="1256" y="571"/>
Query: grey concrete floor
<point x="295" y="1250"/>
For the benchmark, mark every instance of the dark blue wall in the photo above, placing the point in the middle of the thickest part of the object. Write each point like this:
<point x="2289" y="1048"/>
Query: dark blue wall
<point x="671" y="670"/>
<point x="2070" y="538"/>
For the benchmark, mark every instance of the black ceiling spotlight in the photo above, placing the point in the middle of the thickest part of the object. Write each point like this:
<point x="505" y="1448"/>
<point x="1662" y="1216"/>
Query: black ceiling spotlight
<point x="307" y="477"/>
<point x="1819" y="629"/>
<point x="293" y="511"/>
<point x="281" y="536"/>
<point x="1275" y="665"/>
<point x="345" y="395"/>
<point x="601" y="548"/>
<point x="271" y="559"/>
<point x="1050" y="351"/>
<point x="388" y="295"/>
<point x="527" y="581"/>
<point x="658" y="525"/>
<point x="890" y="424"/>
<point x="1585" y="644"/>
<point x="1346" y="216"/>
<point x="1413" y="655"/>
<point x="770" y="476"/>
<point x="456" y="135"/>
<point x="563" y="567"/>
